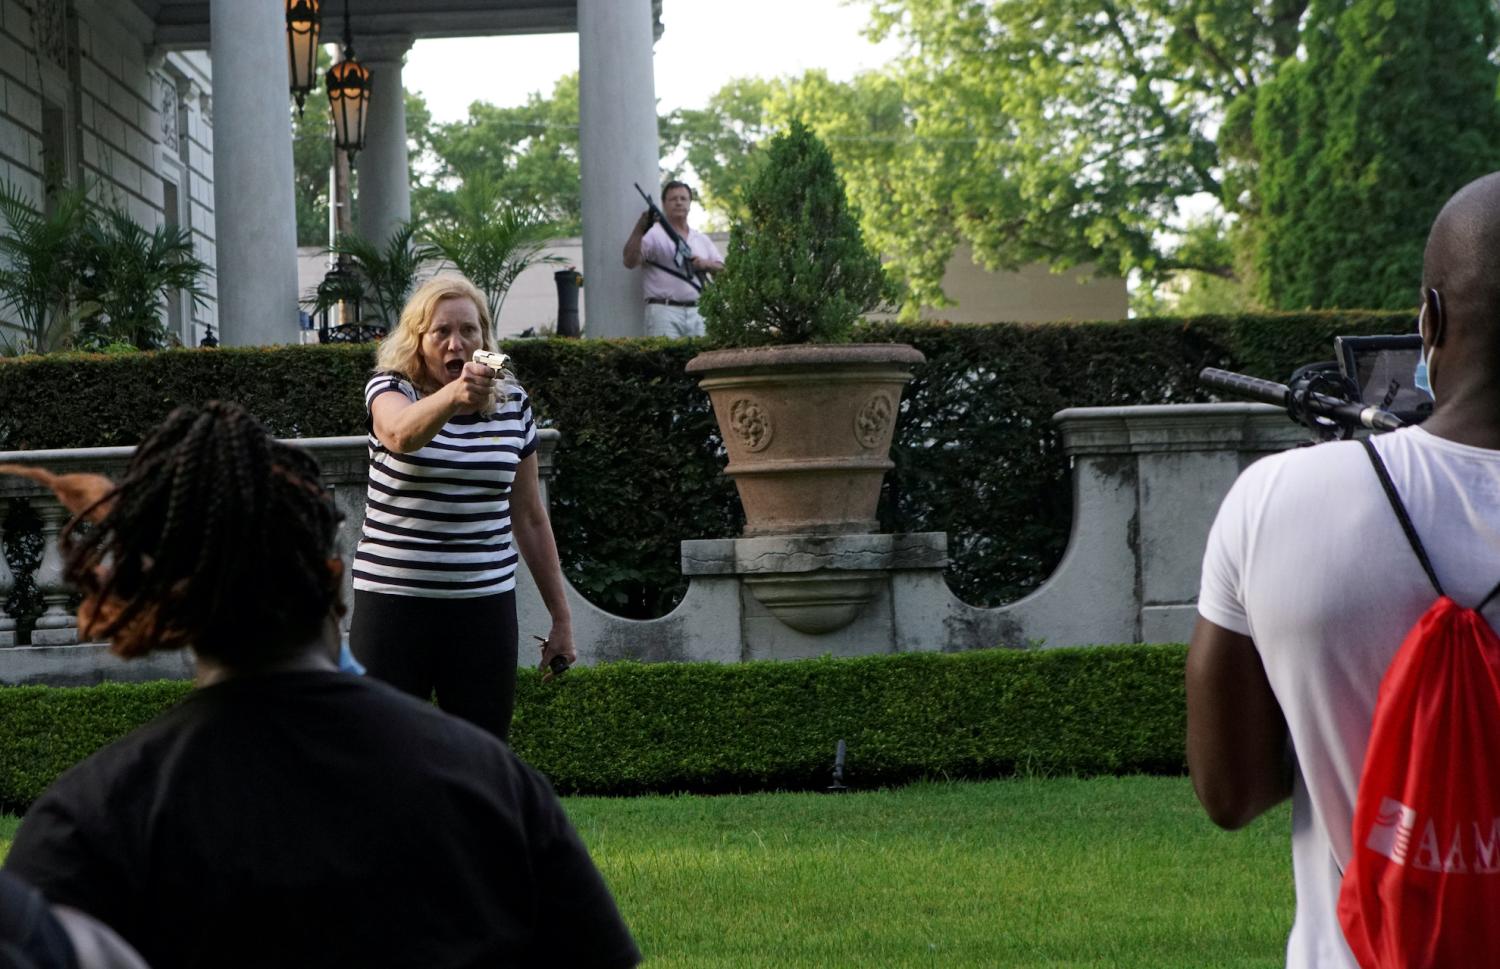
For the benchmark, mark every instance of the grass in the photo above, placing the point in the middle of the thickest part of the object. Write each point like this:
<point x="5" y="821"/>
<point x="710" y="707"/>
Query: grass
<point x="1107" y="872"/>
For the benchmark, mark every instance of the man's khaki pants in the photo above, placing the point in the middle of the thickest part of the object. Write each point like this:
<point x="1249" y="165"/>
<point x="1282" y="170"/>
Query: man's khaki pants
<point x="673" y="321"/>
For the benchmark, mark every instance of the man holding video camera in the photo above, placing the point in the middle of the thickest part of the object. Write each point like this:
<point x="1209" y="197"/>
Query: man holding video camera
<point x="1309" y="585"/>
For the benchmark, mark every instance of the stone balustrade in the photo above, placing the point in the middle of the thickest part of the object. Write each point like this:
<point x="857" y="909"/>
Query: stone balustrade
<point x="1146" y="480"/>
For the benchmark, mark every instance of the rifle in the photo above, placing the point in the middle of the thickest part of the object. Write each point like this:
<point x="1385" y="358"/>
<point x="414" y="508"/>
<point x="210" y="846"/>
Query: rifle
<point x="682" y="256"/>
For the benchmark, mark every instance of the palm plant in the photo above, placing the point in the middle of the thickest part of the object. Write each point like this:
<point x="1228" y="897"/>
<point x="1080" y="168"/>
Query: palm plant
<point x="489" y="240"/>
<point x="37" y="263"/>
<point x="124" y="275"/>
<point x="387" y="272"/>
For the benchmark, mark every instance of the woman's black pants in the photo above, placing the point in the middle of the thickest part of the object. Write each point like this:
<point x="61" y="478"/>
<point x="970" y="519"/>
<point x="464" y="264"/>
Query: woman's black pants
<point x="463" y="650"/>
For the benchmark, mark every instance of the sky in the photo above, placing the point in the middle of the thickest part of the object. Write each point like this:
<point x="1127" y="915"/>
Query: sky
<point x="704" y="44"/>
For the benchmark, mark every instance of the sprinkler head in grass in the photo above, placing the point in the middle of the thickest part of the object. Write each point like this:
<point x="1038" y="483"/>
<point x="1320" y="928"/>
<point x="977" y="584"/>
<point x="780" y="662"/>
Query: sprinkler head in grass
<point x="838" y="769"/>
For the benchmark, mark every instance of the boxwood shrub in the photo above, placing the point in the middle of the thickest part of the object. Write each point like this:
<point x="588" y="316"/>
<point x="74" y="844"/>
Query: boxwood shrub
<point x="630" y="728"/>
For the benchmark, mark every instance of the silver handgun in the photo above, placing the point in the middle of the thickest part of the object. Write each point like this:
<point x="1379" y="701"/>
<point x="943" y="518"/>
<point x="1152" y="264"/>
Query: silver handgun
<point x="496" y="361"/>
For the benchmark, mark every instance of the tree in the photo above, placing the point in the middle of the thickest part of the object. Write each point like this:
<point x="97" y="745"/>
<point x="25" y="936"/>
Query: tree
<point x="1359" y="144"/>
<point x="385" y="274"/>
<point x="1130" y="135"/>
<point x="719" y="143"/>
<point x="528" y="154"/>
<point x="1069" y="131"/>
<point x="864" y="123"/>
<point x="923" y="180"/>
<point x="868" y="127"/>
<point x="124" y="272"/>
<point x="490" y="238"/>
<point x="38" y="264"/>
<point x="80" y="274"/>
<point x="1059" y="131"/>
<point x="1194" y="293"/>
<point x="798" y="270"/>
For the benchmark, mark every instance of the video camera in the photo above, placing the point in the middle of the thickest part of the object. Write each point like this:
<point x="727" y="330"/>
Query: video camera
<point x="1370" y="385"/>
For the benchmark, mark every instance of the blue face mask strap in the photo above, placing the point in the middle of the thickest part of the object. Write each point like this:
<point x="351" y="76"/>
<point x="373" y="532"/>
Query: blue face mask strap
<point x="1420" y="378"/>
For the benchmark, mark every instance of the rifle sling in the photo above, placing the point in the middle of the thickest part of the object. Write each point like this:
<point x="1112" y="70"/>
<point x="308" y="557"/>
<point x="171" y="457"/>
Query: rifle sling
<point x="685" y="277"/>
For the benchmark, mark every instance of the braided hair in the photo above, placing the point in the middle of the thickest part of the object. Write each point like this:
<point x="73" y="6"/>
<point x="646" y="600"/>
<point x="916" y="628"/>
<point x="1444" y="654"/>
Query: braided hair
<point x="218" y="537"/>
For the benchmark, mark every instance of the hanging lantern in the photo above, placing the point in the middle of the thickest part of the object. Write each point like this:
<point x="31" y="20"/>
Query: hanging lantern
<point x="349" y="96"/>
<point x="340" y="294"/>
<point x="349" y="99"/>
<point x="303" y="24"/>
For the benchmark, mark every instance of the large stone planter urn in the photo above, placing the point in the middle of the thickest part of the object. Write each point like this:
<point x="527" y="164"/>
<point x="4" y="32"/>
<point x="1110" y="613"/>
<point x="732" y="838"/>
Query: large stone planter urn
<point x="808" y="430"/>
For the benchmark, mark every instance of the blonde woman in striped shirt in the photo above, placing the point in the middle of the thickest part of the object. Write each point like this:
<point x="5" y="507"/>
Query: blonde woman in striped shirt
<point x="453" y="495"/>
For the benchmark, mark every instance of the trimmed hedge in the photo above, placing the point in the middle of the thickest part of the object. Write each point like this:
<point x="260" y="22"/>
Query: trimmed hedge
<point x="976" y="453"/>
<point x="45" y="730"/>
<point x="629" y="728"/>
<point x="66" y="400"/>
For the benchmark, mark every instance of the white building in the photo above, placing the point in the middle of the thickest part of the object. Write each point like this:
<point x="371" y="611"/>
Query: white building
<point x="179" y="110"/>
<point x="85" y="97"/>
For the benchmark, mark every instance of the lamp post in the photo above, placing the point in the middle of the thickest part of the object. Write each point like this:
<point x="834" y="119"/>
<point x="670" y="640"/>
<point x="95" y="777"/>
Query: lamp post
<point x="340" y="295"/>
<point x="349" y="96"/>
<point x="303" y="24"/>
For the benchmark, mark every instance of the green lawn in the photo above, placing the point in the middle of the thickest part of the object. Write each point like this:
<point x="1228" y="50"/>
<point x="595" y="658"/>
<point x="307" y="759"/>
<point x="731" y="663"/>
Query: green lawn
<point x="1110" y="872"/>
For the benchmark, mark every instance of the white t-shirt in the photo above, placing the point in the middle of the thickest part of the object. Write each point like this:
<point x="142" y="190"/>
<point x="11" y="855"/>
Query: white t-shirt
<point x="1307" y="558"/>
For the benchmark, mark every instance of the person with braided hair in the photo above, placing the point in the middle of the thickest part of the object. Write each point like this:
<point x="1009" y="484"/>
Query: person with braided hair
<point x="284" y="813"/>
<point x="453" y="495"/>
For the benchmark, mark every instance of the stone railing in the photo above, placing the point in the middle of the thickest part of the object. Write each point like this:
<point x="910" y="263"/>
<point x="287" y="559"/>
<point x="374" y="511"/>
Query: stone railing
<point x="1146" y="481"/>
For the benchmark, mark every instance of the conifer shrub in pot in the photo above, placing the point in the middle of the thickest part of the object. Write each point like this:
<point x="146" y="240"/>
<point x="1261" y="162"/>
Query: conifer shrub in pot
<point x="806" y="415"/>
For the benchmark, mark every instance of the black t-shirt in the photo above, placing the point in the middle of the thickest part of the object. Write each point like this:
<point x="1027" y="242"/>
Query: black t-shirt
<point x="320" y="819"/>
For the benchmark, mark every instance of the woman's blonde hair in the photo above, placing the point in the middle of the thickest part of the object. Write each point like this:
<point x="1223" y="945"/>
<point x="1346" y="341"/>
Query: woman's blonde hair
<point x="401" y="351"/>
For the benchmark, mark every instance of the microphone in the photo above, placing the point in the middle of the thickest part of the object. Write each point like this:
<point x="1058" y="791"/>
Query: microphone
<point x="1343" y="412"/>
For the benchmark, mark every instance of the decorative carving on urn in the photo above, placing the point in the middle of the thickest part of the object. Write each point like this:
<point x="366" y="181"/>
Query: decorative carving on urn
<point x="751" y="424"/>
<point x="873" y="421"/>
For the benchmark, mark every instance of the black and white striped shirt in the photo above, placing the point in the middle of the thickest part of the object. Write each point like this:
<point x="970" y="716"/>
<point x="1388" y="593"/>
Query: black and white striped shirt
<point x="437" y="520"/>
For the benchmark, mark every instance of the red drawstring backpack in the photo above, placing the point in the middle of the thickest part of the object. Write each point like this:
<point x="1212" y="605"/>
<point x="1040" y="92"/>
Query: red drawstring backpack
<point x="1422" y="889"/>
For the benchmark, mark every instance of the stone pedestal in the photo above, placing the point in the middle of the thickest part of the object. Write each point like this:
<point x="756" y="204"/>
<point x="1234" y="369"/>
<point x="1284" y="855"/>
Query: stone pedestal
<point x="796" y="589"/>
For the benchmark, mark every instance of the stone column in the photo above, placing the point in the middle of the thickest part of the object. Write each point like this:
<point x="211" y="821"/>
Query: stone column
<point x="617" y="145"/>
<point x="56" y="626"/>
<point x="254" y="208"/>
<point x="384" y="181"/>
<point x="7" y="585"/>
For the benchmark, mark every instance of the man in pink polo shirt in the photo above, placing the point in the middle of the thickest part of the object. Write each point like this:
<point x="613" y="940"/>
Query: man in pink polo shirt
<point x="671" y="292"/>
